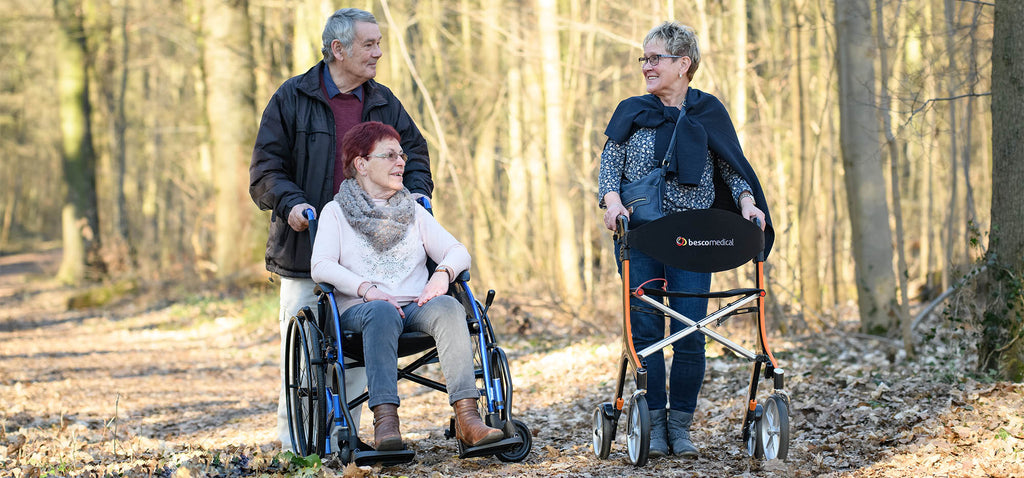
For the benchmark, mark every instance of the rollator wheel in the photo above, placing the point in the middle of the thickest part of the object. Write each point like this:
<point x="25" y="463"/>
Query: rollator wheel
<point x="604" y="431"/>
<point x="750" y="433"/>
<point x="305" y="395"/>
<point x="773" y="430"/>
<point x="638" y="431"/>
<point x="520" y="452"/>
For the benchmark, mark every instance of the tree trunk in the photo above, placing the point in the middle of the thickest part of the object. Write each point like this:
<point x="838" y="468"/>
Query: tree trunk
<point x="80" y="218"/>
<point x="865" y="183"/>
<point x="902" y="313"/>
<point x="229" y="85"/>
<point x="1001" y="346"/>
<point x="559" y="185"/>
<point x="808" y="202"/>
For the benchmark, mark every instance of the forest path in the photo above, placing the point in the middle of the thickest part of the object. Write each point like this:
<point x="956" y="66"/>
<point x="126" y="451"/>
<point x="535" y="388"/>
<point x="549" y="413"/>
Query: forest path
<point x="188" y="387"/>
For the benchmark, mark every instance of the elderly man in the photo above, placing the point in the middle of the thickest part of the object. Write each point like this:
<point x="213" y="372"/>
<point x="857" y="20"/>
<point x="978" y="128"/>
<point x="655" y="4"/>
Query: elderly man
<point x="296" y="161"/>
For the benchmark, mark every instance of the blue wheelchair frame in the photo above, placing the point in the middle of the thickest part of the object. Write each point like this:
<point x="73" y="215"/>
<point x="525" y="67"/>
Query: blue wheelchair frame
<point x="324" y="427"/>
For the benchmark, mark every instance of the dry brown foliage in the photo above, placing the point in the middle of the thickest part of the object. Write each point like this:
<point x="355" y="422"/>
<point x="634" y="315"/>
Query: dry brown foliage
<point x="187" y="388"/>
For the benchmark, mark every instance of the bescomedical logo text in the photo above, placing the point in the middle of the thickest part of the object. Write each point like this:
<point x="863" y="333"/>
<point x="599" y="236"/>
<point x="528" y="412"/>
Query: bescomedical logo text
<point x="684" y="242"/>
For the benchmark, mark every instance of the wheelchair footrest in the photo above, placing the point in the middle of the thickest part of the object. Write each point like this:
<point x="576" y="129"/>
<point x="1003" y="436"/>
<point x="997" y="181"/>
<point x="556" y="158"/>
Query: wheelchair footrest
<point x="490" y="448"/>
<point x="385" y="458"/>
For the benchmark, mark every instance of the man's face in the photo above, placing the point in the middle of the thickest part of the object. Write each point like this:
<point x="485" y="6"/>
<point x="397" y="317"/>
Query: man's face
<point x="361" y="62"/>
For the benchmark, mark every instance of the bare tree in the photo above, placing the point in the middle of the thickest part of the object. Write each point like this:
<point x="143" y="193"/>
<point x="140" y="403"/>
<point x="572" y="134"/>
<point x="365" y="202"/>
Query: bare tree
<point x="80" y="217"/>
<point x="1001" y="346"/>
<point x="865" y="183"/>
<point x="232" y="121"/>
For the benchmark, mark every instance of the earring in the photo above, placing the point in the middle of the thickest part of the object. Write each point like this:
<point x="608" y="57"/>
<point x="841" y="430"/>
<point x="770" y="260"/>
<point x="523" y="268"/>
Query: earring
<point x="680" y="75"/>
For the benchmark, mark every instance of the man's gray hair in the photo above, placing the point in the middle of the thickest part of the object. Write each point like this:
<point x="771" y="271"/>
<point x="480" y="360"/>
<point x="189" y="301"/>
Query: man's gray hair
<point x="679" y="40"/>
<point x="342" y="27"/>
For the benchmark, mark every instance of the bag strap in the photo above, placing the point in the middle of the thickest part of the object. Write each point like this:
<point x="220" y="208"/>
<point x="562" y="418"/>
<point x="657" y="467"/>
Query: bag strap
<point x="672" y="142"/>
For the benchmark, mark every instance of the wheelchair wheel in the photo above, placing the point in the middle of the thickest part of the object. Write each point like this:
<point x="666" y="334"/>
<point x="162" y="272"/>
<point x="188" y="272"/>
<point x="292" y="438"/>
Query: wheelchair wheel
<point x="305" y="396"/>
<point x="638" y="431"/>
<point x="520" y="452"/>
<point x="604" y="431"/>
<point x="499" y="363"/>
<point x="773" y="430"/>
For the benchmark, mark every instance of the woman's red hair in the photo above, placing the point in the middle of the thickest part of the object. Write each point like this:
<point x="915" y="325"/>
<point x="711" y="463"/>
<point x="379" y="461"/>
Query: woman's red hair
<point x="360" y="140"/>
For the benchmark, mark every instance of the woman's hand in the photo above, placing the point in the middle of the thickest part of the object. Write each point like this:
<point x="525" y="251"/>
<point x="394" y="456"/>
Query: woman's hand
<point x="374" y="293"/>
<point x="750" y="211"/>
<point x="437" y="285"/>
<point x="614" y="209"/>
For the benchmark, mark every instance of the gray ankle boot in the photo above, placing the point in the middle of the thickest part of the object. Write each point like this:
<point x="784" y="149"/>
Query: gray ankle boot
<point x="679" y="434"/>
<point x="659" y="434"/>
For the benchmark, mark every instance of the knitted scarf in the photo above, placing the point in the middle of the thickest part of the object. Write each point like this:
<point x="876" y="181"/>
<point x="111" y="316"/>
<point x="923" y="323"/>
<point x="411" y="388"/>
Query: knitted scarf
<point x="383" y="226"/>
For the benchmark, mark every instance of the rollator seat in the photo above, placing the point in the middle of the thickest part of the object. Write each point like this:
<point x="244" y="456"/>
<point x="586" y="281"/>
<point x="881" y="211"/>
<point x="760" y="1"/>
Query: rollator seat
<point x="699" y="240"/>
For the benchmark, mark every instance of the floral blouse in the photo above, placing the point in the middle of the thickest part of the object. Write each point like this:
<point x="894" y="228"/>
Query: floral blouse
<point x="635" y="158"/>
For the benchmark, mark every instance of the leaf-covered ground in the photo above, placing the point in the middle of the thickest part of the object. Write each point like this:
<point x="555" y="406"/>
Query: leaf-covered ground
<point x="152" y="386"/>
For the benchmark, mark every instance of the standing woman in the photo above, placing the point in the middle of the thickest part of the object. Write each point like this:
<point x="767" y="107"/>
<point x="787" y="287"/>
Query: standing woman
<point x="707" y="169"/>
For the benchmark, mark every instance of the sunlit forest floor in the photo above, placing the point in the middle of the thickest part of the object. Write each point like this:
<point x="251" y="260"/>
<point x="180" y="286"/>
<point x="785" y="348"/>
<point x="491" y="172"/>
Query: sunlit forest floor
<point x="184" y="383"/>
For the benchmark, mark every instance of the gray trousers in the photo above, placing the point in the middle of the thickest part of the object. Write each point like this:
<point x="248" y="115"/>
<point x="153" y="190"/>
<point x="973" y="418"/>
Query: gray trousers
<point x="296" y="294"/>
<point x="443" y="317"/>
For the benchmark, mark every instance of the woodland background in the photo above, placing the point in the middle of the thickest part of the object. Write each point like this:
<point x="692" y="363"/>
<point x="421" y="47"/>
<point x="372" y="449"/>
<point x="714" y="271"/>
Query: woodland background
<point x="895" y="286"/>
<point x="126" y="129"/>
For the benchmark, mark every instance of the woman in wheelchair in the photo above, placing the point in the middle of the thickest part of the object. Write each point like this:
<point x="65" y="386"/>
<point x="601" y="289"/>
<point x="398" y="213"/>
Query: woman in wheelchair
<point x="706" y="146"/>
<point x="372" y="246"/>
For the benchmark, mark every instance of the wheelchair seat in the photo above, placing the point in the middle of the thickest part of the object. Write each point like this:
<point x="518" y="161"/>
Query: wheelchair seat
<point x="408" y="343"/>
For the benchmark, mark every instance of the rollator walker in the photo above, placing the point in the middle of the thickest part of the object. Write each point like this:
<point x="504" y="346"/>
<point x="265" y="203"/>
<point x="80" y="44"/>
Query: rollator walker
<point x="706" y="240"/>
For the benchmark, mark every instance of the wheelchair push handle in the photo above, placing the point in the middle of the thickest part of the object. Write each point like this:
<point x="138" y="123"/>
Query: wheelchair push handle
<point x="310" y="215"/>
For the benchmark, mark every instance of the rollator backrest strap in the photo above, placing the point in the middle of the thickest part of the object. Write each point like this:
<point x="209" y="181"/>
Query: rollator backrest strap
<point x="700" y="240"/>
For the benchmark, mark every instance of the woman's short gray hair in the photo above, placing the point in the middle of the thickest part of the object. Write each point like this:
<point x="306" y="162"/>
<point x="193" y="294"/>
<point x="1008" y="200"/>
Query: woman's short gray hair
<point x="679" y="40"/>
<point x="342" y="27"/>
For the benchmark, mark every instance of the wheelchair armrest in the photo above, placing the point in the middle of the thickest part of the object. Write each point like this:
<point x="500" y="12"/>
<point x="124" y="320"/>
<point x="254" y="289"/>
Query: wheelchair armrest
<point x="463" y="276"/>
<point x="323" y="288"/>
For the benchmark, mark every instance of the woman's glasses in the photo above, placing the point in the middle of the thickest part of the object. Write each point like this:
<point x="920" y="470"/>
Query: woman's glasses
<point x="391" y="156"/>
<point x="655" y="59"/>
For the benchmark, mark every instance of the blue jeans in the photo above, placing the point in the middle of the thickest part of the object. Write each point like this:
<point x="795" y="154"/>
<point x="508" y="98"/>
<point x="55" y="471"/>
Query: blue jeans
<point x="443" y="317"/>
<point x="687" y="374"/>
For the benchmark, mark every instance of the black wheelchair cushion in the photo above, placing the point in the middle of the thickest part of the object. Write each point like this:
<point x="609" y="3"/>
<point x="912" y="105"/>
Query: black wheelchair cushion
<point x="700" y="240"/>
<point x="408" y="343"/>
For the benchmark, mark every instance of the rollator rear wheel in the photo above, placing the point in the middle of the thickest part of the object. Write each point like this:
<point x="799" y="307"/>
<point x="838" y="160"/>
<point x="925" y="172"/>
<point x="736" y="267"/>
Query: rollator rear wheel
<point x="604" y="431"/>
<point x="305" y="395"/>
<point x="638" y="431"/>
<point x="773" y="430"/>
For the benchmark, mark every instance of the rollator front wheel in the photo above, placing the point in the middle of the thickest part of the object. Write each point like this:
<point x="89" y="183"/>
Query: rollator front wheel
<point x="604" y="431"/>
<point x="638" y="431"/>
<point x="773" y="430"/>
<point x="750" y="432"/>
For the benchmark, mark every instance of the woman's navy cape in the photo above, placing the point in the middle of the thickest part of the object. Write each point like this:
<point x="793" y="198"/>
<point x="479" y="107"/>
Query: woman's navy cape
<point x="706" y="125"/>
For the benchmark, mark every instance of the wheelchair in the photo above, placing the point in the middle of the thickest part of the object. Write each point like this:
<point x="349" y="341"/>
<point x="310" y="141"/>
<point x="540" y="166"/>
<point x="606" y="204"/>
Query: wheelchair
<point x="708" y="240"/>
<point x="319" y="412"/>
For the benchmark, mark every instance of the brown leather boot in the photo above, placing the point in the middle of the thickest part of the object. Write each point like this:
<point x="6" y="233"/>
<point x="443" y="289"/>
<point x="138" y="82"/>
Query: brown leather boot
<point x="470" y="428"/>
<point x="386" y="436"/>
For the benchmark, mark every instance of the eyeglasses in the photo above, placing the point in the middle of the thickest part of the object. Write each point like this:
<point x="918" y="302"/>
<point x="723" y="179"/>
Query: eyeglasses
<point x="655" y="59"/>
<point x="391" y="156"/>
